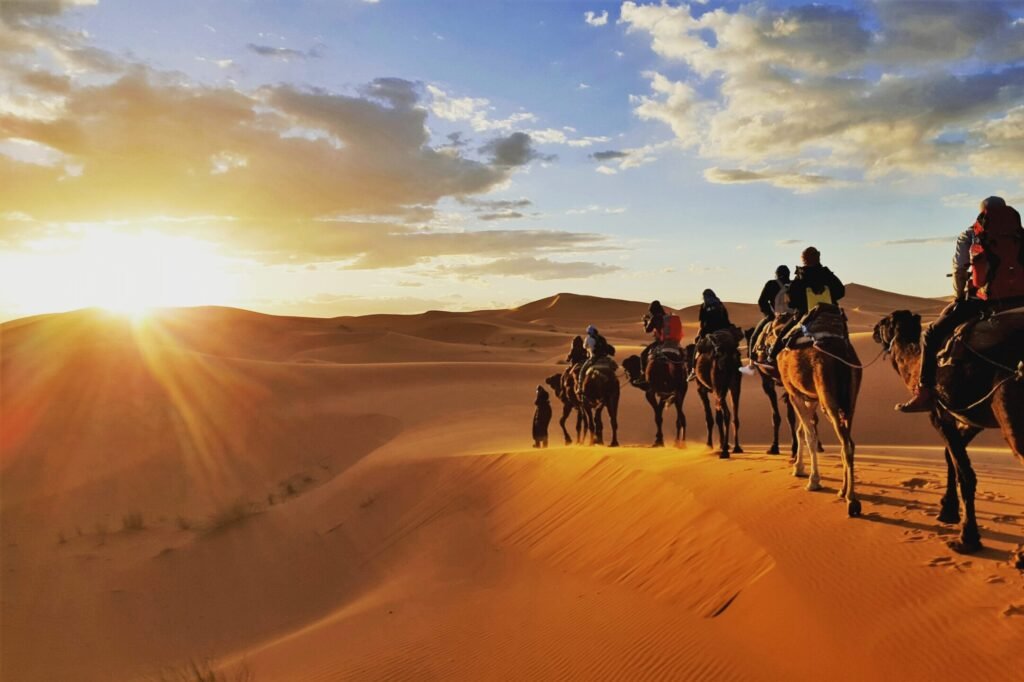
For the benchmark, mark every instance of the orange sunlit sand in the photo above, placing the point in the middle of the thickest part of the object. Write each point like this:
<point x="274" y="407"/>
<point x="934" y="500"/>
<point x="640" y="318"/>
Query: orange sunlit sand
<point x="356" y="498"/>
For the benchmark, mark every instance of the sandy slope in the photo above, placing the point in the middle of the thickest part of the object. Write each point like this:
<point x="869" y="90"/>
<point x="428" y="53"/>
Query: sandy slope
<point x="350" y="498"/>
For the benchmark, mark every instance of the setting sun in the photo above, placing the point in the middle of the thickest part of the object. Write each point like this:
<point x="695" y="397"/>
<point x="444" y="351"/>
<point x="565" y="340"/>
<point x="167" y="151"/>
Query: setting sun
<point x="127" y="273"/>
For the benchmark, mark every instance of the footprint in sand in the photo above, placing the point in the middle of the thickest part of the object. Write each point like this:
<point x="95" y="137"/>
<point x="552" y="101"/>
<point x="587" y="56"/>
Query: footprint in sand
<point x="995" y="579"/>
<point x="1005" y="518"/>
<point x="913" y="483"/>
<point x="941" y="561"/>
<point x="1013" y="610"/>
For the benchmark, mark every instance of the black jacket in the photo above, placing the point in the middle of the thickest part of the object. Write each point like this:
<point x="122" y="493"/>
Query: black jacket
<point x="766" y="302"/>
<point x="713" y="319"/>
<point x="816" y="278"/>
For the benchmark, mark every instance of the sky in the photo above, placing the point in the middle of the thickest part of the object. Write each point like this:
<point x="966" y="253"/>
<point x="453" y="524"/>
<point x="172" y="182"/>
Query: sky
<point x="317" y="157"/>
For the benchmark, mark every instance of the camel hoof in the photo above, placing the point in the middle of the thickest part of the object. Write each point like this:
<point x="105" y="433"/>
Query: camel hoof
<point x="813" y="485"/>
<point x="821" y="448"/>
<point x="799" y="473"/>
<point x="658" y="444"/>
<point x="724" y="454"/>
<point x="614" y="444"/>
<point x="963" y="547"/>
<point x="853" y="508"/>
<point x="737" y="450"/>
<point x="568" y="441"/>
<point x="773" y="450"/>
<point x="949" y="516"/>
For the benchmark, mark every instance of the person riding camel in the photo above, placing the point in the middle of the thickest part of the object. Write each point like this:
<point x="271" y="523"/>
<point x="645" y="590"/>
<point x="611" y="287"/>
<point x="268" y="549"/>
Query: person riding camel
<point x="577" y="353"/>
<point x="991" y="251"/>
<point x="654" y="324"/>
<point x="812" y="285"/>
<point x="713" y="315"/>
<point x="774" y="300"/>
<point x="597" y="347"/>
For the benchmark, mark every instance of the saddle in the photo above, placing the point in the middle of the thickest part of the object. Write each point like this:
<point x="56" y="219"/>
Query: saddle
<point x="604" y="362"/>
<point x="721" y="342"/>
<point x="671" y="353"/>
<point x="983" y="334"/>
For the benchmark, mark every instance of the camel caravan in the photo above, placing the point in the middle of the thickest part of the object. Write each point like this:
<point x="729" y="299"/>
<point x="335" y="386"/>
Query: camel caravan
<point x="965" y="369"/>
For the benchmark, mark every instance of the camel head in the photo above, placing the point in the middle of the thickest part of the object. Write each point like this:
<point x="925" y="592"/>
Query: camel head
<point x="555" y="382"/>
<point x="901" y="325"/>
<point x="632" y="367"/>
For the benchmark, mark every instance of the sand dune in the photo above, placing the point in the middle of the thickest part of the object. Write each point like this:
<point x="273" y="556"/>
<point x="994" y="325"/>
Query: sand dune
<point x="350" y="498"/>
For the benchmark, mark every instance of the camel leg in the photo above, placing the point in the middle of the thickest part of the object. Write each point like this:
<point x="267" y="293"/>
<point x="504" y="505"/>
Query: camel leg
<point x="589" y="424"/>
<point x="809" y="436"/>
<point x="581" y="425"/>
<point x="599" y="426"/>
<point x="970" y="538"/>
<point x="708" y="419"/>
<point x="735" y="391"/>
<point x="680" y="421"/>
<point x="847" y="492"/>
<point x="768" y="386"/>
<point x="819" y="447"/>
<point x="793" y="427"/>
<point x="658" y="406"/>
<point x="566" y="410"/>
<point x="613" y="419"/>
<point x="722" y="417"/>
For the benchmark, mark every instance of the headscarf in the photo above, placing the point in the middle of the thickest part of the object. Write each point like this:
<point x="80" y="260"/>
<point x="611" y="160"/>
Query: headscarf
<point x="710" y="299"/>
<point x="782" y="273"/>
<point x="591" y="330"/>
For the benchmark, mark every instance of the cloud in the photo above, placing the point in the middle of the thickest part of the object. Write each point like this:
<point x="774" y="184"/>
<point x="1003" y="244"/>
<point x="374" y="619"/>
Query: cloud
<point x="496" y="204"/>
<point x="947" y="240"/>
<point x="478" y="113"/>
<point x="608" y="155"/>
<point x="513" y="150"/>
<point x="606" y="170"/>
<point x="788" y="180"/>
<point x="531" y="268"/>
<point x="595" y="19"/>
<point x="285" y="54"/>
<point x="876" y="89"/>
<point x="594" y="208"/>
<point x="504" y="215"/>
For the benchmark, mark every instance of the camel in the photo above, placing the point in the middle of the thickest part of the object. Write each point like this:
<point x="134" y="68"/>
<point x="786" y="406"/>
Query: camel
<point x="564" y="386"/>
<point x="973" y="394"/>
<point x="600" y="390"/>
<point x="770" y="381"/>
<point x="826" y="372"/>
<point x="665" y="380"/>
<point x="717" y="372"/>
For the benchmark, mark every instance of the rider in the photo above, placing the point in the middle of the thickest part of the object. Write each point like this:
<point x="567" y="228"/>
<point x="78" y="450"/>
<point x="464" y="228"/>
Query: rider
<point x="991" y="281"/>
<point x="813" y="284"/>
<point x="597" y="347"/>
<point x="577" y="353"/>
<point x="654" y="324"/>
<point x="713" y="316"/>
<point x="773" y="301"/>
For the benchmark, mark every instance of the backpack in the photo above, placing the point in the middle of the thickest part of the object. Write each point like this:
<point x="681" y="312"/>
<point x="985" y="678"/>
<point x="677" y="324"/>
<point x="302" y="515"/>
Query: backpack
<point x="673" y="328"/>
<point x="997" y="269"/>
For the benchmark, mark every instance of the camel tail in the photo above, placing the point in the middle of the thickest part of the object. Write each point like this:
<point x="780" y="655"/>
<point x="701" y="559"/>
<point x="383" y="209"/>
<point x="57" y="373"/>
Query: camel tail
<point x="846" y="396"/>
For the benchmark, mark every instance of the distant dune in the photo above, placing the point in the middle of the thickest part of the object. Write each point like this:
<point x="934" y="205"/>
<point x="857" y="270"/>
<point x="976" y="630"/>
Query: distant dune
<point x="354" y="498"/>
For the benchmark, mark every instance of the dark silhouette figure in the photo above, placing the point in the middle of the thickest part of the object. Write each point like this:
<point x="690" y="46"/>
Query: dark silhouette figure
<point x="541" y="418"/>
<point x="971" y="394"/>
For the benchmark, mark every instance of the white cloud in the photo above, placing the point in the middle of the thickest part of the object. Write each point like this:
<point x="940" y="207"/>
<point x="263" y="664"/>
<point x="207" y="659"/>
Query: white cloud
<point x="594" y="19"/>
<point x="594" y="208"/>
<point x="910" y="88"/>
<point x="606" y="170"/>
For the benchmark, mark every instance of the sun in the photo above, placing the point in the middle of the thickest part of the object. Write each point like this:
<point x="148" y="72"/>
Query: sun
<point x="126" y="272"/>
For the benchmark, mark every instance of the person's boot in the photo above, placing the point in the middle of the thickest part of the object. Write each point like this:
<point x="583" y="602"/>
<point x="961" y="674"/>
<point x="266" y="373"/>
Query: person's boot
<point x="923" y="401"/>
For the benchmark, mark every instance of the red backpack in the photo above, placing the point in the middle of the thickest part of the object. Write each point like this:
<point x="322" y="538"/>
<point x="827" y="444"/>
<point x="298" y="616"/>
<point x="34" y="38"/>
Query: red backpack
<point x="673" y="329"/>
<point x="997" y="258"/>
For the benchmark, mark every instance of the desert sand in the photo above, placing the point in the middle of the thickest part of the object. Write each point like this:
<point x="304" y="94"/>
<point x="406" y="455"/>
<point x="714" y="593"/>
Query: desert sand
<point x="356" y="498"/>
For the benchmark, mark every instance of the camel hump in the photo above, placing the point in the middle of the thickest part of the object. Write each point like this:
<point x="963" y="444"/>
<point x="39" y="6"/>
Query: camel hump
<point x="826" y="321"/>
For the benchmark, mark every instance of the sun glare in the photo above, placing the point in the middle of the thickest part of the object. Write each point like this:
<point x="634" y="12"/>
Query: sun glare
<point x="126" y="273"/>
